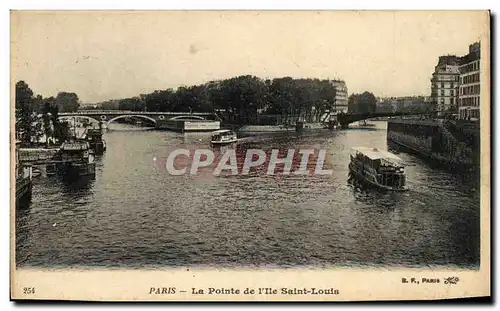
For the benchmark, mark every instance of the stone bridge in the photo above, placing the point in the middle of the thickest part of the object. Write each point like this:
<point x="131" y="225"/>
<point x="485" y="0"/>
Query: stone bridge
<point x="177" y="121"/>
<point x="344" y="119"/>
<point x="156" y="117"/>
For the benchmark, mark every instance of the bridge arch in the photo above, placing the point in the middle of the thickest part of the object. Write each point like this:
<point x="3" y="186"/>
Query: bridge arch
<point x="131" y="115"/>
<point x="188" y="118"/>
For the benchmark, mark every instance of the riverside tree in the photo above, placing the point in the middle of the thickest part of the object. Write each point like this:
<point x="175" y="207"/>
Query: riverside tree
<point x="24" y="112"/>
<point x="240" y="99"/>
<point x="47" y="124"/>
<point x="362" y="103"/>
<point x="36" y="115"/>
<point x="67" y="102"/>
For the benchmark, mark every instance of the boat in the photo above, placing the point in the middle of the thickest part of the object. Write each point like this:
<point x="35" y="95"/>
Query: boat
<point x="76" y="159"/>
<point x="379" y="168"/>
<point x="222" y="137"/>
<point x="94" y="137"/>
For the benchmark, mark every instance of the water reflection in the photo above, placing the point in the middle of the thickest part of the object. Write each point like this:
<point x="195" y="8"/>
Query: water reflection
<point x="368" y="194"/>
<point x="23" y="203"/>
<point x="135" y="213"/>
<point x="80" y="185"/>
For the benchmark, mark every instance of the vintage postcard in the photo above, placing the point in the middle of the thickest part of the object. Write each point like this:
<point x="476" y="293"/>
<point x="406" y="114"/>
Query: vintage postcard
<point x="250" y="155"/>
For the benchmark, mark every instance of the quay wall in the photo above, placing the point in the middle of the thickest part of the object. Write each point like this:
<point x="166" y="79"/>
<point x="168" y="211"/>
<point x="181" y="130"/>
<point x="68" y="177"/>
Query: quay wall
<point x="278" y="128"/>
<point x="23" y="189"/>
<point x="188" y="125"/>
<point x="452" y="144"/>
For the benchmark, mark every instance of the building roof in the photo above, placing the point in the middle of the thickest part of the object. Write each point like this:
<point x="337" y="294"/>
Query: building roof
<point x="448" y="60"/>
<point x="375" y="153"/>
<point x="472" y="56"/>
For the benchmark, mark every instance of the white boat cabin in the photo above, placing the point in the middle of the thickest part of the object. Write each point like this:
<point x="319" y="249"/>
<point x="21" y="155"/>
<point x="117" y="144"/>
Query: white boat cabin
<point x="379" y="167"/>
<point x="378" y="159"/>
<point x="223" y="136"/>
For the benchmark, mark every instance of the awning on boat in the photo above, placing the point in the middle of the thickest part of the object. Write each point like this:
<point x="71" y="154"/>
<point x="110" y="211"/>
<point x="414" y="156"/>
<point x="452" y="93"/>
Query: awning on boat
<point x="375" y="153"/>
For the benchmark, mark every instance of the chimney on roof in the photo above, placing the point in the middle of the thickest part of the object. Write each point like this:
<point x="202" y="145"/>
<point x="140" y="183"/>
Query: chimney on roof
<point x="474" y="47"/>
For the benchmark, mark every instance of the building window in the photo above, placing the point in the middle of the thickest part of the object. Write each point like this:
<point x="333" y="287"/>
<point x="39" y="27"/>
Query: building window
<point x="452" y="93"/>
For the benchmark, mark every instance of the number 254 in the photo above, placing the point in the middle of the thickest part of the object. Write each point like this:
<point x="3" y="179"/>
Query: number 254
<point x="28" y="290"/>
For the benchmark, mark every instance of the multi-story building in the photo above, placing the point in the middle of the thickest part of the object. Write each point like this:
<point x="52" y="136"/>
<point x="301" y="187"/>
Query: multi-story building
<point x="385" y="106"/>
<point x="404" y="104"/>
<point x="444" y="84"/>
<point x="341" y="97"/>
<point x="468" y="98"/>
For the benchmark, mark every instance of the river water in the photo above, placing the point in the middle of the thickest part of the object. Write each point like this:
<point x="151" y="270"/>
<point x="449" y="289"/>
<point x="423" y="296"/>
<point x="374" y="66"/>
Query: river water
<point x="135" y="214"/>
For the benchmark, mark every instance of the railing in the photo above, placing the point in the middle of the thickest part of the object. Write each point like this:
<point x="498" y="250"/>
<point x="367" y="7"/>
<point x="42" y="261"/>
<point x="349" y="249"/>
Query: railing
<point x="114" y="112"/>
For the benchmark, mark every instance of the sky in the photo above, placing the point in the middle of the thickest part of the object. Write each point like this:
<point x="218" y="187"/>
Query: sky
<point x="102" y="55"/>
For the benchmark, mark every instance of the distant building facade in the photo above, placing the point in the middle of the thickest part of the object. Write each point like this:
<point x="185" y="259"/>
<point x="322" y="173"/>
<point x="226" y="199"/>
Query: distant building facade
<point x="404" y="104"/>
<point x="385" y="106"/>
<point x="445" y="84"/>
<point x="469" y="93"/>
<point x="341" y="96"/>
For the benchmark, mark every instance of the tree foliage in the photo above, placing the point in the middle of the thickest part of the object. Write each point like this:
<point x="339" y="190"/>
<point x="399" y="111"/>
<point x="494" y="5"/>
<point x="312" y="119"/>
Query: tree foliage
<point x="47" y="124"/>
<point x="24" y="112"/>
<point x="240" y="99"/>
<point x="24" y="95"/>
<point x="362" y="103"/>
<point x="133" y="104"/>
<point x="37" y="116"/>
<point x="67" y="102"/>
